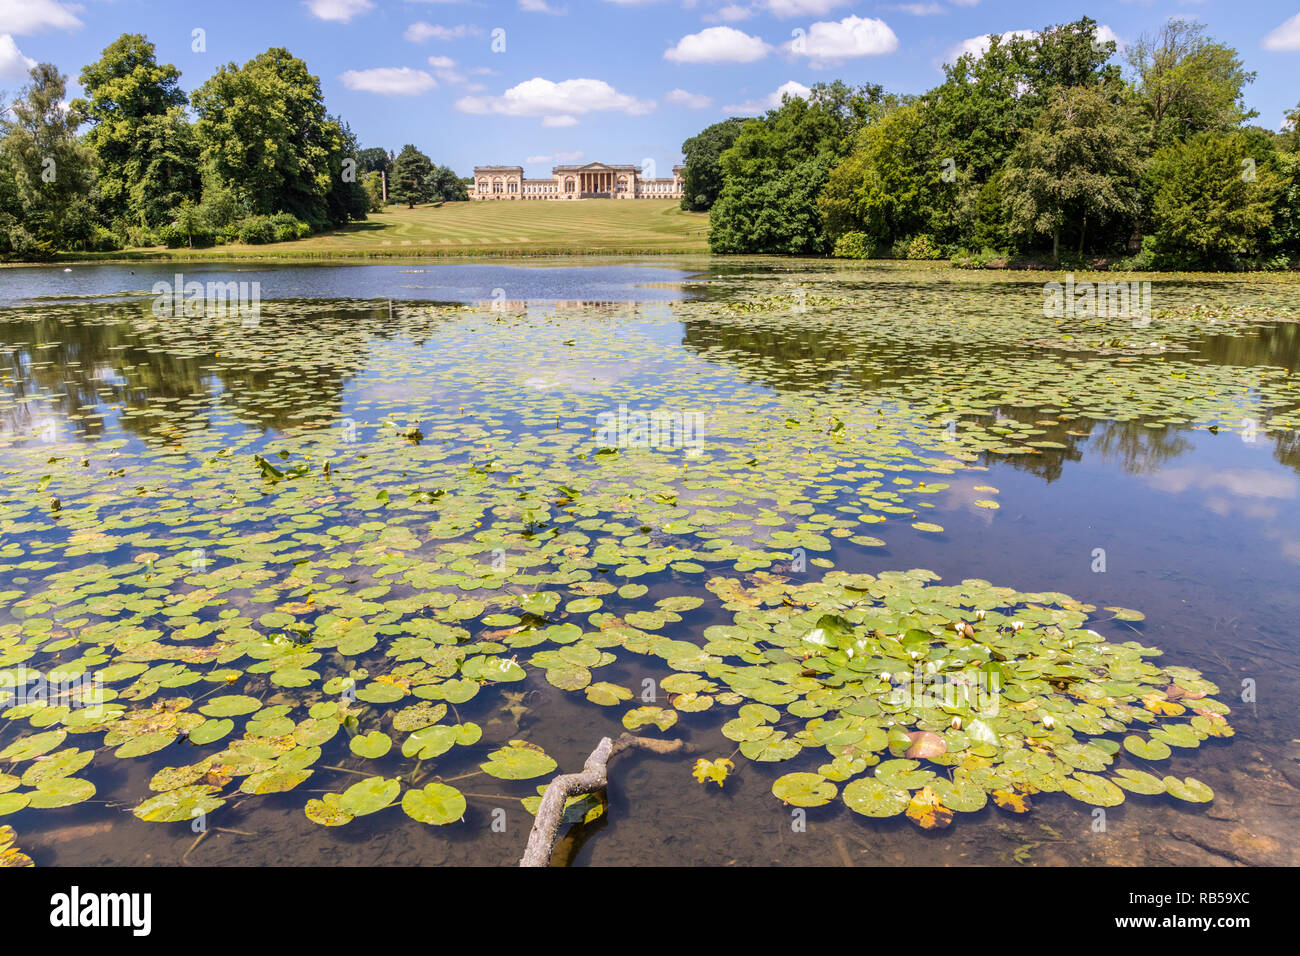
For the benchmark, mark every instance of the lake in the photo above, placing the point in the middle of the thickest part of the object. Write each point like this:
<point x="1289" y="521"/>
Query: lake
<point x="346" y="576"/>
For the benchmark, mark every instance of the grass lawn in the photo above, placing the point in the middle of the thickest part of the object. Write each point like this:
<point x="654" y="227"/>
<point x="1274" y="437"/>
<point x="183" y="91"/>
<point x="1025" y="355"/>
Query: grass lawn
<point x="604" y="226"/>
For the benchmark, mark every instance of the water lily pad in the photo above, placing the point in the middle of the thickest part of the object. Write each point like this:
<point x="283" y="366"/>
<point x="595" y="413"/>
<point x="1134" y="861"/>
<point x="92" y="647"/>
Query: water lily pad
<point x="327" y="811"/>
<point x="804" y="789"/>
<point x="436" y="804"/>
<point x="1146" y="749"/>
<point x="927" y="811"/>
<point x="639" y="717"/>
<point x="273" y="781"/>
<point x="607" y="694"/>
<point x="1092" y="789"/>
<point x="872" y="798"/>
<point x="1138" y="781"/>
<point x="212" y="730"/>
<point x="183" y="803"/>
<point x="518" y="760"/>
<point x="61" y="792"/>
<point x="1189" y="789"/>
<point x="372" y="745"/>
<point x="369" y="796"/>
<point x="231" y="705"/>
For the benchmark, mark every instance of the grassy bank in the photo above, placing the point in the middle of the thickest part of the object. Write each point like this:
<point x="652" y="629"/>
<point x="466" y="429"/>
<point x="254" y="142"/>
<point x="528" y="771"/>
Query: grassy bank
<point x="500" y="229"/>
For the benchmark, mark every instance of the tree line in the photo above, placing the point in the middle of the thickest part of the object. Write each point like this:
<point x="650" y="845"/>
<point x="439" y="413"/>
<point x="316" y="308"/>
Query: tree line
<point x="1042" y="146"/>
<point x="251" y="156"/>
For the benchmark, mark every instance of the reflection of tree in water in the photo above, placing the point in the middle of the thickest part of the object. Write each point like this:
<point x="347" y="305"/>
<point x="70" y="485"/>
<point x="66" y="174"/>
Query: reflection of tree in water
<point x="1139" y="450"/>
<point x="1286" y="449"/>
<point x="1046" y="463"/>
<point x="1277" y="344"/>
<point x="795" y="356"/>
<point x="70" y="366"/>
<point x="277" y="374"/>
<point x="798" y="357"/>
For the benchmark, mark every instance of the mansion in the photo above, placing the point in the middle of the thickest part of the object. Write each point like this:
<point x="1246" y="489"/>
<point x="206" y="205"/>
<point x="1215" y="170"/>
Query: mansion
<point x="592" y="181"/>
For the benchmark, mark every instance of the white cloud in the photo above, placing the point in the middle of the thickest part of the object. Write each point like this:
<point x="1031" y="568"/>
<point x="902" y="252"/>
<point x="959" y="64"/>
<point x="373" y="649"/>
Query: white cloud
<point x="731" y="13"/>
<point x="917" y="9"/>
<point x="420" y="31"/>
<point x="717" y="45"/>
<point x="771" y="101"/>
<point x="541" y="6"/>
<point x="390" y="81"/>
<point x="21" y="17"/>
<point x="444" y="68"/>
<point x="978" y="46"/>
<point x="559" y="104"/>
<point x="693" y="101"/>
<point x="563" y="156"/>
<point x="802" y="8"/>
<point x="338" y="11"/>
<point x="831" y="42"/>
<point x="1285" y="37"/>
<point x="1106" y="34"/>
<point x="12" y="61"/>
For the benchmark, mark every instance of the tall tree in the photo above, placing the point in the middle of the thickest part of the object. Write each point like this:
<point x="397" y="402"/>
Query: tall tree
<point x="263" y="128"/>
<point x="52" y="172"/>
<point x="1188" y="82"/>
<point x="346" y="199"/>
<point x="375" y="160"/>
<point x="987" y="101"/>
<point x="890" y="186"/>
<point x="135" y="107"/>
<point x="777" y="167"/>
<point x="1079" y="166"/>
<point x="1290" y="138"/>
<point x="413" y="180"/>
<point x="702" y="177"/>
<point x="1213" y="200"/>
<point x="447" y="186"/>
<point x="163" y="169"/>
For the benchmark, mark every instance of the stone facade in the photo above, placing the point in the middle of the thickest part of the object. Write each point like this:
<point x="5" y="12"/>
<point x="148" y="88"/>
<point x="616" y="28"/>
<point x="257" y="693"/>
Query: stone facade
<point x="591" y="181"/>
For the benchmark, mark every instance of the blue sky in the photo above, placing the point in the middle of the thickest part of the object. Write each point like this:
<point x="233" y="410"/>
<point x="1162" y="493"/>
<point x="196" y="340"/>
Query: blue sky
<point x="544" y="81"/>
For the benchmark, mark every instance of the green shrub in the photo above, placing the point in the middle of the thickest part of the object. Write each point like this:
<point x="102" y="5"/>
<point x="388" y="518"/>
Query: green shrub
<point x="174" y="237"/>
<point x="286" y="227"/>
<point x="105" y="240"/>
<point x="256" y="230"/>
<point x="171" y="236"/>
<point x="922" y="247"/>
<point x="987" y="256"/>
<point x="853" y="245"/>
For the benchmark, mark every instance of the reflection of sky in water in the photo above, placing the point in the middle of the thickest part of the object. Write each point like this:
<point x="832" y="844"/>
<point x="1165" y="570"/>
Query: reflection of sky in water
<point x="441" y="282"/>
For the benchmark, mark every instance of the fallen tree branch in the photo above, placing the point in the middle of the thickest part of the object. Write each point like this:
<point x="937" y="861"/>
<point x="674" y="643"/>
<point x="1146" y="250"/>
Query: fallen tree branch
<point x="550" y="815"/>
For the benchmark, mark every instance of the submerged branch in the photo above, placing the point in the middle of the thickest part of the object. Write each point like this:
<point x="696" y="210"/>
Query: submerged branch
<point x="593" y="777"/>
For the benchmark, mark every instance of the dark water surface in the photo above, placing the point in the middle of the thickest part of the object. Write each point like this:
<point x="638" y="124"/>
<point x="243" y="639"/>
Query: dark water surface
<point x="1200" y="531"/>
